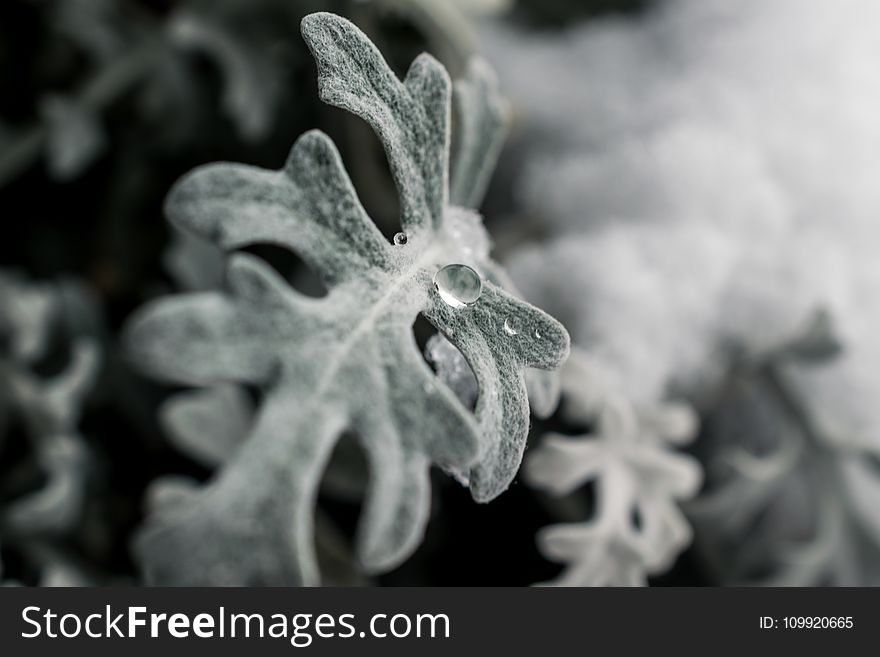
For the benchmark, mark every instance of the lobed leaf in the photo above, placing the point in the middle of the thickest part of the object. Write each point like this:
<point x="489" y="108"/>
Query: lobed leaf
<point x="346" y="362"/>
<point x="635" y="476"/>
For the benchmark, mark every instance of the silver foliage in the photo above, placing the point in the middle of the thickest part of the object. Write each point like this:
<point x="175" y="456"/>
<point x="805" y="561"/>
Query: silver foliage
<point x="637" y="528"/>
<point x="47" y="407"/>
<point x="788" y="503"/>
<point x="344" y="362"/>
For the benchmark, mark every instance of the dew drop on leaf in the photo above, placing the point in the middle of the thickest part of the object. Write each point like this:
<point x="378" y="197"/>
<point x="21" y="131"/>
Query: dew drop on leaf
<point x="458" y="285"/>
<point x="400" y="239"/>
<point x="508" y="327"/>
<point x="538" y="333"/>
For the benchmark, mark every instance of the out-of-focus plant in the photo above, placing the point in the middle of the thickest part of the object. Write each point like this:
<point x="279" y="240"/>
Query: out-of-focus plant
<point x="636" y="528"/>
<point x="44" y="489"/>
<point x="130" y="51"/>
<point x="787" y="504"/>
<point x="446" y="24"/>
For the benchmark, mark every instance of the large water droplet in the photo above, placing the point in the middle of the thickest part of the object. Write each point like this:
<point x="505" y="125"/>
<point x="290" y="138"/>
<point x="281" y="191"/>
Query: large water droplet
<point x="508" y="327"/>
<point x="538" y="333"/>
<point x="400" y="239"/>
<point x="458" y="285"/>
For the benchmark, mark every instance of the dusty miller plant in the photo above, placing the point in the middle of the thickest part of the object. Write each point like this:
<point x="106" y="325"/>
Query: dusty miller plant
<point x="47" y="407"/>
<point x="347" y="361"/>
<point x="803" y="498"/>
<point x="637" y="528"/>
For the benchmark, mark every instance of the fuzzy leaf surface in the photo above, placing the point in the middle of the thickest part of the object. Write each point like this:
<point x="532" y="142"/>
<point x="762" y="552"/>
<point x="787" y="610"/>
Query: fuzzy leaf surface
<point x="347" y="361"/>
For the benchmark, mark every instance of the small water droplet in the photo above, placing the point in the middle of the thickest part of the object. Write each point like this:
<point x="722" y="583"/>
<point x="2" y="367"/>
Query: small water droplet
<point x="538" y="333"/>
<point x="400" y="239"/>
<point x="458" y="285"/>
<point x="508" y="328"/>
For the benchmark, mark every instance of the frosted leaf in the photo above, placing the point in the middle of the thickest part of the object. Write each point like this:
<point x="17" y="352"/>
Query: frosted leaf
<point x="344" y="362"/>
<point x="635" y="475"/>
<point x="75" y="137"/>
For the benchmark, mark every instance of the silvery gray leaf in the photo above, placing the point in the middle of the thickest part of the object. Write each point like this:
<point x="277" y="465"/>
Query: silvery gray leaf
<point x="47" y="407"/>
<point x="544" y="386"/>
<point x="347" y="361"/>
<point x="635" y="475"/>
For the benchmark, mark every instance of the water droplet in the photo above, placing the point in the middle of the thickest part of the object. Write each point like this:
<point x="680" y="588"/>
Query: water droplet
<point x="400" y="239"/>
<point x="508" y="328"/>
<point x="458" y="285"/>
<point x="538" y="333"/>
